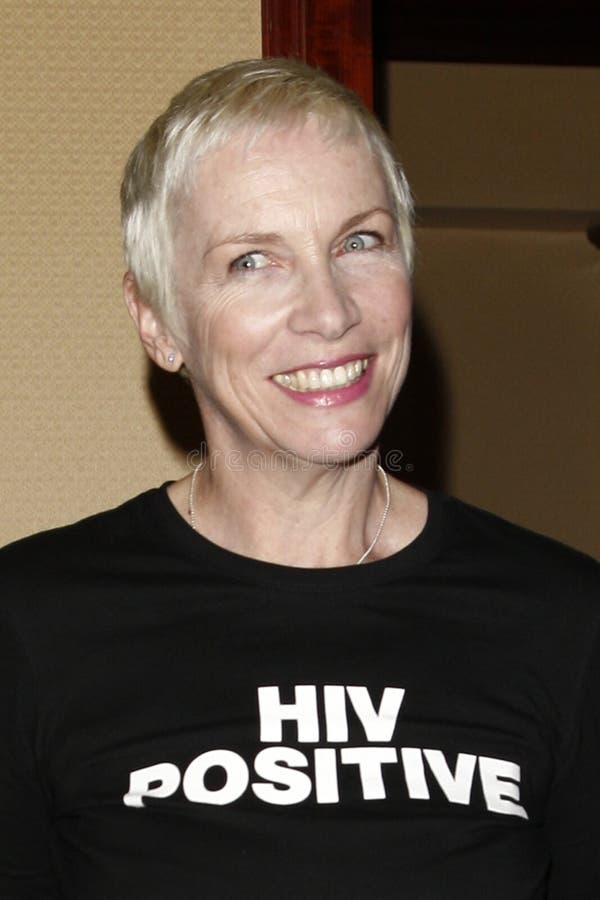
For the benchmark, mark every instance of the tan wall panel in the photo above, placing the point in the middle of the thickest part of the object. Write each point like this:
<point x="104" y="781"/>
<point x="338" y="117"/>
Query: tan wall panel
<point x="515" y="322"/>
<point x="492" y="135"/>
<point x="79" y="83"/>
<point x="511" y="314"/>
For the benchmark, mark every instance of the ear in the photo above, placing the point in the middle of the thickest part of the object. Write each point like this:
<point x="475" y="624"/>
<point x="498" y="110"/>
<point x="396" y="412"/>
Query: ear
<point x="159" y="343"/>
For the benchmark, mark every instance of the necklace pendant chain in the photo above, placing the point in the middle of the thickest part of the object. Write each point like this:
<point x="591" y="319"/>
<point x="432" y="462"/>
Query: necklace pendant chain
<point x="386" y="509"/>
<point x="368" y="551"/>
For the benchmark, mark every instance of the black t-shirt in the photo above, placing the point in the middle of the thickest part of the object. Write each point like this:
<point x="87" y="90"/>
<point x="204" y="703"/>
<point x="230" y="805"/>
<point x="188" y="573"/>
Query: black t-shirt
<point x="183" y="722"/>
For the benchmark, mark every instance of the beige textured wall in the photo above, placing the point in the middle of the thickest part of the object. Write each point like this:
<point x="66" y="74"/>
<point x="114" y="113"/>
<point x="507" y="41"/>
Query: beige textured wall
<point x="79" y="82"/>
<point x="509" y="296"/>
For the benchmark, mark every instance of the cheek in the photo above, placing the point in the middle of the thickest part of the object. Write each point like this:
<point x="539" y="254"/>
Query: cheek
<point x="400" y="298"/>
<point x="390" y="302"/>
<point x="380" y="284"/>
<point x="399" y="306"/>
<point x="206" y="319"/>
<point x="226" y="342"/>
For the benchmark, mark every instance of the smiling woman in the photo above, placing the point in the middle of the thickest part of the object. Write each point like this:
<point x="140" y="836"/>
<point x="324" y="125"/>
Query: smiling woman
<point x="289" y="245"/>
<point x="210" y="669"/>
<point x="281" y="299"/>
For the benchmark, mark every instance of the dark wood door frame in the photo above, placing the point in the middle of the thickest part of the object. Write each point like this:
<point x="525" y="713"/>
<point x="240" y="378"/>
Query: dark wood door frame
<point x="332" y="34"/>
<point x="345" y="37"/>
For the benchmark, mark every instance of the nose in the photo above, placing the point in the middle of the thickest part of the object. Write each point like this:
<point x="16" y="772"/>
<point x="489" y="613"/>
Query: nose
<point x="324" y="305"/>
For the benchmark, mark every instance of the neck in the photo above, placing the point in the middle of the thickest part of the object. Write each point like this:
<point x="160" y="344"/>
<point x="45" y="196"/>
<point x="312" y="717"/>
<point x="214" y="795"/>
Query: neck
<point x="309" y="516"/>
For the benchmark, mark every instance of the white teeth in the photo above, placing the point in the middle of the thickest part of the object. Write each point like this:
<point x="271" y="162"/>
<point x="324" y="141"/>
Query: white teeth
<point x="302" y="380"/>
<point x="322" y="379"/>
<point x="314" y="379"/>
<point x="339" y="376"/>
<point x="326" y="378"/>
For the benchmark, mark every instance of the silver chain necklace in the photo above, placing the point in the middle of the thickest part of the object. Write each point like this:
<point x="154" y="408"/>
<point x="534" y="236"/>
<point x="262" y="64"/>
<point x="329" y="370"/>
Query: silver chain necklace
<point x="380" y="527"/>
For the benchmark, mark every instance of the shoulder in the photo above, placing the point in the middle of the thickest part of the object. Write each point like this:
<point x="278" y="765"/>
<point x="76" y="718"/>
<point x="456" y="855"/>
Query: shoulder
<point x="487" y="529"/>
<point x="61" y="553"/>
<point x="489" y="545"/>
<point x="533" y="596"/>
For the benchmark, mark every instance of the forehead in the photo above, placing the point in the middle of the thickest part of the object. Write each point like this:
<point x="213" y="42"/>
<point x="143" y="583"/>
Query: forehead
<point x="295" y="174"/>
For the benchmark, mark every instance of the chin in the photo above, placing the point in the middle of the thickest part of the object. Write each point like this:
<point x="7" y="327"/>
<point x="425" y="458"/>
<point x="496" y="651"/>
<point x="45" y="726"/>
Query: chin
<point x="341" y="448"/>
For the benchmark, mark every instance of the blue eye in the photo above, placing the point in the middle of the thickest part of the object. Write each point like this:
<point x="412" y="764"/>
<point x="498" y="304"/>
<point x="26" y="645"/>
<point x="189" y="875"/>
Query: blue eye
<point x="361" y="240"/>
<point x="249" y="262"/>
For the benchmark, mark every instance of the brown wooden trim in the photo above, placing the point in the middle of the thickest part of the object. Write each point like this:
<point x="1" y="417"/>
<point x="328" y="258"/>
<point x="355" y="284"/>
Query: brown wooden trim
<point x="332" y="34"/>
<point x="284" y="27"/>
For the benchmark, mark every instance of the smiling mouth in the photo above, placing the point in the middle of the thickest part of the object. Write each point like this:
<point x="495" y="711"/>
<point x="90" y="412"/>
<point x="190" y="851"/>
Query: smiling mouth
<point x="312" y="380"/>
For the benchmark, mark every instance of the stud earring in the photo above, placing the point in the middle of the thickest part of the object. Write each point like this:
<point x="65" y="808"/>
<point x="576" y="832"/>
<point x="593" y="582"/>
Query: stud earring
<point x="171" y="358"/>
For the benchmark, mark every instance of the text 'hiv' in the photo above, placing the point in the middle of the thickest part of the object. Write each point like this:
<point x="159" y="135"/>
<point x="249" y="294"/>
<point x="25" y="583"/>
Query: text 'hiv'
<point x="290" y="776"/>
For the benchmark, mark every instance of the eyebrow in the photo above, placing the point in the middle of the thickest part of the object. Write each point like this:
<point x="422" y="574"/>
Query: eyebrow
<point x="248" y="237"/>
<point x="362" y="216"/>
<point x="273" y="237"/>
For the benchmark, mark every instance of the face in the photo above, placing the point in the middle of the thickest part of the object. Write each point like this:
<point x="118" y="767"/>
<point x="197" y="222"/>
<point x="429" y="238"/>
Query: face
<point x="294" y="296"/>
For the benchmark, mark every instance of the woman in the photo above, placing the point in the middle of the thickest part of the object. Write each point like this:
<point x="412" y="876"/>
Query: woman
<point x="288" y="675"/>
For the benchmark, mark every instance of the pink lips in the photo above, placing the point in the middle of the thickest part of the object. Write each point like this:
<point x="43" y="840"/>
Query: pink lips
<point x="335" y="397"/>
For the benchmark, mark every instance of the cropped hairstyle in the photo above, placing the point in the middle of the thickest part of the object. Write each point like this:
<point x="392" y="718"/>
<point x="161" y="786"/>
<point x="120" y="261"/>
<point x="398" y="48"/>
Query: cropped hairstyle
<point x="250" y="96"/>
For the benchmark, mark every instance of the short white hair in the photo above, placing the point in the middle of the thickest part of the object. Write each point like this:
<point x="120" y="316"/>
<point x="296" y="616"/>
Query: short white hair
<point x="251" y="96"/>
